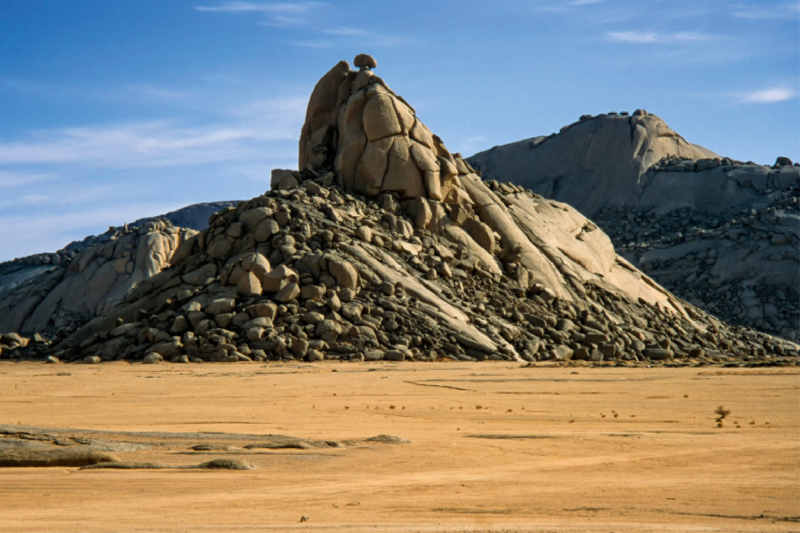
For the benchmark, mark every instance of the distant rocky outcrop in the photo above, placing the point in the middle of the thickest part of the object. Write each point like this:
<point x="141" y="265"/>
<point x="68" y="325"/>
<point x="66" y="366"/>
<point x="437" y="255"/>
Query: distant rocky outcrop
<point x="64" y="294"/>
<point x="720" y="233"/>
<point x="386" y="246"/>
<point x="25" y="281"/>
<point x="193" y="216"/>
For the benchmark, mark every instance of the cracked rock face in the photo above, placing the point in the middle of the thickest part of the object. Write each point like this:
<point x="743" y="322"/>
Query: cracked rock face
<point x="720" y="233"/>
<point x="375" y="141"/>
<point x="385" y="246"/>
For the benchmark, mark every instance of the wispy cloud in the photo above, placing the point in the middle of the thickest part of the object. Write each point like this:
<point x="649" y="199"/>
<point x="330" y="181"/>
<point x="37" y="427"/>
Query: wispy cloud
<point x="651" y="37"/>
<point x="281" y="14"/>
<point x="153" y="91"/>
<point x="767" y="12"/>
<point x="350" y="32"/>
<point x="318" y="44"/>
<point x="160" y="143"/>
<point x="10" y="179"/>
<point x="768" y="96"/>
<point x="61" y="184"/>
<point x="355" y="36"/>
<point x="586" y="2"/>
<point x="249" y="7"/>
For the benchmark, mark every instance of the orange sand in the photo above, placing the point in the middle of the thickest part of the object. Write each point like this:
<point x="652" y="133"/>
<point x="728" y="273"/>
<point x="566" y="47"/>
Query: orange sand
<point x="566" y="462"/>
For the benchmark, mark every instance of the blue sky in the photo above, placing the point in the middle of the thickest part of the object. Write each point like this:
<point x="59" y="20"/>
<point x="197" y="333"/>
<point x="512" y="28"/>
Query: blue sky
<point x="115" y="110"/>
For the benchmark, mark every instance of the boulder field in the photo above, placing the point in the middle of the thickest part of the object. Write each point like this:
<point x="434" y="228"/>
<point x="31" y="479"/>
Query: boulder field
<point x="721" y="234"/>
<point x="387" y="246"/>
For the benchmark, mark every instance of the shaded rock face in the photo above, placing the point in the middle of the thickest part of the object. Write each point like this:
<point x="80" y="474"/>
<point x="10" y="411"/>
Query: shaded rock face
<point x="335" y="263"/>
<point x="49" y="297"/>
<point x="721" y="234"/>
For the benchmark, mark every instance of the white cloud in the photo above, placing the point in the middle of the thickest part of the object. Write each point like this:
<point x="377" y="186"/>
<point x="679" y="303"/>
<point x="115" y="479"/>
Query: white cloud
<point x="586" y="2"/>
<point x="768" y="96"/>
<point x="249" y="7"/>
<point x="651" y="37"/>
<point x="350" y="32"/>
<point x="633" y="37"/>
<point x="281" y="14"/>
<point x="357" y="36"/>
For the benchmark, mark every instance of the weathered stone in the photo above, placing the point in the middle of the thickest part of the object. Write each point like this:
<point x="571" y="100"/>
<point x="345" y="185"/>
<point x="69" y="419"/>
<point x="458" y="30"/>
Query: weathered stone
<point x="219" y="248"/>
<point x="277" y="278"/>
<point x="288" y="293"/>
<point x="345" y="273"/>
<point x="561" y="352"/>
<point x="167" y="349"/>
<point x="365" y="61"/>
<point x="299" y="348"/>
<point x="265" y="229"/>
<point x="152" y="358"/>
<point x="394" y="355"/>
<point x="420" y="212"/>
<point x="312" y="292"/>
<point x="261" y="322"/>
<point x="201" y="275"/>
<point x="249" y="285"/>
<point x="364" y="233"/>
<point x="315" y="355"/>
<point x="371" y="169"/>
<point x="328" y="330"/>
<point x="402" y="174"/>
<point x="502" y="258"/>
<point x="220" y="305"/>
<point x="380" y="118"/>
<point x="658" y="354"/>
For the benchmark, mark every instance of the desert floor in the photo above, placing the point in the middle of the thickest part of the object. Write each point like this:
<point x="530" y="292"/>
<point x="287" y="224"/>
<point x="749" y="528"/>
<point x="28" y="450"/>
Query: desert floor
<point x="494" y="447"/>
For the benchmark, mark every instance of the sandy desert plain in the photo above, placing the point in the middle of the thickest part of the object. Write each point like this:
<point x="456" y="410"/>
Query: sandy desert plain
<point x="492" y="447"/>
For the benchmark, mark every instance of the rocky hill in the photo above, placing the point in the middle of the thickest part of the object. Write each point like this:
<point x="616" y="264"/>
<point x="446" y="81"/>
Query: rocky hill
<point x="25" y="282"/>
<point x="720" y="233"/>
<point x="387" y="246"/>
<point x="62" y="295"/>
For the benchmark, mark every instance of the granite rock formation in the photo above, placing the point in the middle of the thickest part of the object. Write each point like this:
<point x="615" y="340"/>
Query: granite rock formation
<point x="720" y="233"/>
<point x="386" y="246"/>
<point x="24" y="281"/>
<point x="64" y="290"/>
